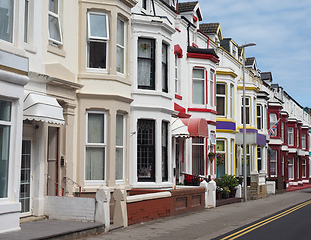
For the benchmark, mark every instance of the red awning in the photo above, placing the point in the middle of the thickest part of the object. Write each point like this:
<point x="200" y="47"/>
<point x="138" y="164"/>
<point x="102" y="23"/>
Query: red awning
<point x="197" y="127"/>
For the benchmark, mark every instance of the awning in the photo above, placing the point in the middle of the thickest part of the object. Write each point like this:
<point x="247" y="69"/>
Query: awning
<point x="43" y="108"/>
<point x="197" y="127"/>
<point x="179" y="129"/>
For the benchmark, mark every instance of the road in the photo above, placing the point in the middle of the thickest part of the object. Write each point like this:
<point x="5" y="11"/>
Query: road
<point x="292" y="223"/>
<point x="211" y="223"/>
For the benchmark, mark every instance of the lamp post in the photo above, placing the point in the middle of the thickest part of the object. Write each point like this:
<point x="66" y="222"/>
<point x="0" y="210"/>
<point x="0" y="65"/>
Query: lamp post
<point x="244" y="123"/>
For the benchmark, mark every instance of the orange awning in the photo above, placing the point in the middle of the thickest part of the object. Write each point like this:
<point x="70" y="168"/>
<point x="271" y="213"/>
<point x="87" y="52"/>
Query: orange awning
<point x="197" y="127"/>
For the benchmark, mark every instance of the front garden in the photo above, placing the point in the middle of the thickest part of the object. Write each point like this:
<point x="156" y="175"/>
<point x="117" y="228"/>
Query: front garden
<point x="226" y="186"/>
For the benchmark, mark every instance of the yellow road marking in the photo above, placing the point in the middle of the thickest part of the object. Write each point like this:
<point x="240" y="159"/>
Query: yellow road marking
<point x="266" y="221"/>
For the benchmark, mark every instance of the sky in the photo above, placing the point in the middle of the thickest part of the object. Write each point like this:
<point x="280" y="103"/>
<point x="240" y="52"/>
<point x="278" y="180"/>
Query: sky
<point x="281" y="30"/>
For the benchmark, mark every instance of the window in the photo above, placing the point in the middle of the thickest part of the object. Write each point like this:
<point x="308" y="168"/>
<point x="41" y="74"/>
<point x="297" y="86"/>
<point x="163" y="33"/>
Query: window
<point x="221" y="99"/>
<point x="303" y="168"/>
<point x="247" y="110"/>
<point x="6" y="20"/>
<point x="273" y="163"/>
<point x="211" y="88"/>
<point x="282" y="131"/>
<point x="231" y="101"/>
<point x="220" y="157"/>
<point x="146" y="150"/>
<point x="303" y="141"/>
<point x="98" y="38"/>
<point x="54" y="23"/>
<point x="120" y="45"/>
<point x="26" y="21"/>
<point x="198" y="156"/>
<point x="176" y="75"/>
<point x="144" y="4"/>
<point x="146" y="64"/>
<point x="198" y="86"/>
<point x="120" y="147"/>
<point x="95" y="147"/>
<point x="234" y="51"/>
<point x="297" y="138"/>
<point x="5" y="129"/>
<point x="283" y="166"/>
<point x="164" y="151"/>
<point x="164" y="68"/>
<point x="290" y="136"/>
<point x="273" y="131"/>
<point x="291" y="168"/>
<point x="259" y="157"/>
<point x="259" y="117"/>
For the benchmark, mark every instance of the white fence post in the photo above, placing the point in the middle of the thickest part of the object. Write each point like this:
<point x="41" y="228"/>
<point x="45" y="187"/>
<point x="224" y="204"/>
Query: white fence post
<point x="211" y="194"/>
<point x="102" y="210"/>
<point x="120" y="210"/>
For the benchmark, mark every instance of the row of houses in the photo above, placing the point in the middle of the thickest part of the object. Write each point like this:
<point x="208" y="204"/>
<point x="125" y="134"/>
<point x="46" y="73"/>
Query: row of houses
<point x="132" y="94"/>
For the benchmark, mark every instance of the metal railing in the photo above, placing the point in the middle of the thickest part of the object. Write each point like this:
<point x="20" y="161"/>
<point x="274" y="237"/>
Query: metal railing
<point x="72" y="182"/>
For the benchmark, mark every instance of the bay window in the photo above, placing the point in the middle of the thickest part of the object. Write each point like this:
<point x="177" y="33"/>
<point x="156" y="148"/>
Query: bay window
<point x="120" y="147"/>
<point x="273" y="163"/>
<point x="164" y="68"/>
<point x="303" y="141"/>
<point x="55" y="32"/>
<point x="198" y="86"/>
<point x="198" y="156"/>
<point x="221" y="99"/>
<point x="6" y="20"/>
<point x="291" y="168"/>
<point x="259" y="117"/>
<point x="290" y="136"/>
<point x="247" y="110"/>
<point x="211" y="88"/>
<point x="164" y="151"/>
<point x="5" y="130"/>
<point x="95" y="147"/>
<point x="98" y="38"/>
<point x="146" y="64"/>
<point x="231" y="100"/>
<point x="120" y="45"/>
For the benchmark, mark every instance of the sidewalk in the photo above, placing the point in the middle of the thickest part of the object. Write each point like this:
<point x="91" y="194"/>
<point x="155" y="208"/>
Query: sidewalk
<point x="204" y="224"/>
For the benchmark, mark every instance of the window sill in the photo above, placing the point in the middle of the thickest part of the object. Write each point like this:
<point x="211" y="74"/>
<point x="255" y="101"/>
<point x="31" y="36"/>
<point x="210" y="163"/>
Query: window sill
<point x="55" y="50"/>
<point x="30" y="48"/>
<point x="96" y="70"/>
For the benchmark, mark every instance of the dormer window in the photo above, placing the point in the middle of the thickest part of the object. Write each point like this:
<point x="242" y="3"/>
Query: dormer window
<point x="234" y="51"/>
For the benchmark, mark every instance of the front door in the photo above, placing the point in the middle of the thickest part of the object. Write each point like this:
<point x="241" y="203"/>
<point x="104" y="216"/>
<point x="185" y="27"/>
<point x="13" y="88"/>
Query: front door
<point x="52" y="160"/>
<point x="26" y="179"/>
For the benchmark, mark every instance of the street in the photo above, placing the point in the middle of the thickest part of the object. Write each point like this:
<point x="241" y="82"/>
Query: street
<point x="214" y="223"/>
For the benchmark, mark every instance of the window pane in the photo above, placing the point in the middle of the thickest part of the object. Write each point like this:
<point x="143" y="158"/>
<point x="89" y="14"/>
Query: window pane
<point x="145" y="65"/>
<point x="198" y="73"/>
<point x="54" y="28"/>
<point x="164" y="151"/>
<point x="120" y="60"/>
<point x="96" y="128"/>
<point x="145" y="48"/>
<point x="145" y="73"/>
<point x="6" y="20"/>
<point x="220" y="102"/>
<point x="220" y="146"/>
<point x="119" y="130"/>
<point x="220" y="89"/>
<point x="53" y="6"/>
<point x="198" y="92"/>
<point x="95" y="164"/>
<point x="5" y="110"/>
<point x="4" y="161"/>
<point x="98" y="26"/>
<point x="120" y="32"/>
<point x="26" y="19"/>
<point x="97" y="54"/>
<point x="119" y="163"/>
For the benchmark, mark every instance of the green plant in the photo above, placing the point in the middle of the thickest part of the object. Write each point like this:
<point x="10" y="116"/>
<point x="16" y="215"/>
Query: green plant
<point x="229" y="181"/>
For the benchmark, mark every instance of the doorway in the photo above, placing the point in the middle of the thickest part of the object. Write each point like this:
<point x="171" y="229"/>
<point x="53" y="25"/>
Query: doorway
<point x="52" y="162"/>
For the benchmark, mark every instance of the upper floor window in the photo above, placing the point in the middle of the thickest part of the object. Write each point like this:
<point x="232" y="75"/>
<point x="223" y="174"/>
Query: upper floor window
<point x="5" y="130"/>
<point x="176" y="75"/>
<point x="26" y="21"/>
<point x="297" y="138"/>
<point x="221" y="99"/>
<point x="120" y="45"/>
<point x="6" y="20"/>
<point x="98" y="38"/>
<point x="259" y="117"/>
<point x="282" y="130"/>
<point x="198" y="86"/>
<point x="273" y="124"/>
<point x="290" y="136"/>
<point x="164" y="68"/>
<point x="211" y="88"/>
<point x="247" y="110"/>
<point x="55" y="33"/>
<point x="231" y="100"/>
<point x="303" y="141"/>
<point x="144" y="4"/>
<point x="95" y="146"/>
<point x="146" y="64"/>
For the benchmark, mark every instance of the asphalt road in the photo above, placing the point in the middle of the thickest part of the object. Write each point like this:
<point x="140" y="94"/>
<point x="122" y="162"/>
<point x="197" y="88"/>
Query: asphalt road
<point x="292" y="223"/>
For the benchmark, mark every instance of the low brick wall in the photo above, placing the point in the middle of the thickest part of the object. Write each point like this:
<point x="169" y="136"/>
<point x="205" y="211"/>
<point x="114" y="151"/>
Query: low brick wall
<point x="181" y="200"/>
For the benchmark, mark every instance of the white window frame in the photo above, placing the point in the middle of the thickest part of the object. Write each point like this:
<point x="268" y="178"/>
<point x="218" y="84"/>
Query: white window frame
<point x="220" y="95"/>
<point x="291" y="168"/>
<point x="247" y="107"/>
<point x="11" y="21"/>
<point x="118" y="181"/>
<point x="276" y="164"/>
<point x="273" y="120"/>
<point x="26" y="21"/>
<point x="199" y="80"/>
<point x="176" y="75"/>
<point x="96" y="145"/>
<point x="212" y="88"/>
<point x="282" y="130"/>
<point x="120" y="46"/>
<point x="290" y="136"/>
<point x="297" y="143"/>
<point x="303" y="166"/>
<point x="56" y="15"/>
<point x="91" y="38"/>
<point x="259" y="116"/>
<point x="303" y="140"/>
<point x="231" y="100"/>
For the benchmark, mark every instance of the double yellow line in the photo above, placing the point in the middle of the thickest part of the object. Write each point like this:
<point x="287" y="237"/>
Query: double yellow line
<point x="266" y="221"/>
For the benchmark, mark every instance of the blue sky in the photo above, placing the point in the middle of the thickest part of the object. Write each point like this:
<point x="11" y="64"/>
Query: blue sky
<point x="281" y="31"/>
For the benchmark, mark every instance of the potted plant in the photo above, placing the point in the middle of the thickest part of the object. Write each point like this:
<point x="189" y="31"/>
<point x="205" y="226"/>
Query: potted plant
<point x="211" y="156"/>
<point x="231" y="182"/>
<point x="226" y="193"/>
<point x="220" y="158"/>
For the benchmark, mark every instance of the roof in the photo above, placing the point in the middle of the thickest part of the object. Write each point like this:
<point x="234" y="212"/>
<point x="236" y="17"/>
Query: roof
<point x="266" y="76"/>
<point x="209" y="28"/>
<point x="187" y="6"/>
<point x="249" y="61"/>
<point x="209" y="51"/>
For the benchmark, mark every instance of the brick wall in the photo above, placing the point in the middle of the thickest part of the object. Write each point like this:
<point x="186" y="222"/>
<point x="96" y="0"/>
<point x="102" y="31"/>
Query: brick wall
<point x="69" y="208"/>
